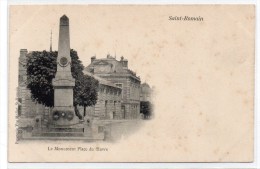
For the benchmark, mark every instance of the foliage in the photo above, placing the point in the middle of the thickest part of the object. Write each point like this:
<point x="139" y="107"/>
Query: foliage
<point x="41" y="69"/>
<point x="76" y="65"/>
<point x="85" y="91"/>
<point x="146" y="109"/>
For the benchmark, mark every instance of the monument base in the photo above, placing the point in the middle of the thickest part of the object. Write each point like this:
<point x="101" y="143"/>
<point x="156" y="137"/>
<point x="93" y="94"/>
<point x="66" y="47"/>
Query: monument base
<point x="81" y="131"/>
<point x="64" y="116"/>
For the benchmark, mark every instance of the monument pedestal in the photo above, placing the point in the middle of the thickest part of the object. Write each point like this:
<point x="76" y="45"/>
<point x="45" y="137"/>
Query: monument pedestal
<point x="63" y="112"/>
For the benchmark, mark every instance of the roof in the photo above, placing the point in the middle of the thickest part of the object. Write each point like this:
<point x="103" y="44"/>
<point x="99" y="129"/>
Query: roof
<point x="145" y="85"/>
<point x="145" y="88"/>
<point x="111" y="61"/>
<point x="101" y="80"/>
<point x="116" y="66"/>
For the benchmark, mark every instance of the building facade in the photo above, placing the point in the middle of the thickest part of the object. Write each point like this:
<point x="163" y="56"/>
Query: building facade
<point x="26" y="107"/>
<point x="29" y="113"/>
<point x="118" y="73"/>
<point x="108" y="104"/>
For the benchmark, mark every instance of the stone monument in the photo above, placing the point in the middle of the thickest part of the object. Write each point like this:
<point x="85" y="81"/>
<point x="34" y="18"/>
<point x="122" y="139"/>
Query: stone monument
<point x="63" y="112"/>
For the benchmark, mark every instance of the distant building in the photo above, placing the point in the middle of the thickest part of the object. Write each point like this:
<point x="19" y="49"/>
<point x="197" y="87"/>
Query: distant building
<point x="118" y="73"/>
<point x="146" y="92"/>
<point x="145" y="101"/>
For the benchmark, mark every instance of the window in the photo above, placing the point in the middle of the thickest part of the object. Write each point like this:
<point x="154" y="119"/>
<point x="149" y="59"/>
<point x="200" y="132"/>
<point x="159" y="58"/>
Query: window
<point x="114" y="115"/>
<point x="19" y="106"/>
<point x="100" y="129"/>
<point x="20" y="78"/>
<point x="19" y="110"/>
<point x="106" y="108"/>
<point x="119" y="85"/>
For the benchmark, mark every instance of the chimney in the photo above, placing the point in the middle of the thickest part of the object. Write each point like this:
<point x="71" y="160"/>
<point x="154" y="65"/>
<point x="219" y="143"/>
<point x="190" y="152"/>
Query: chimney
<point x="22" y="66"/>
<point x="93" y="58"/>
<point x="124" y="62"/>
<point x="23" y="53"/>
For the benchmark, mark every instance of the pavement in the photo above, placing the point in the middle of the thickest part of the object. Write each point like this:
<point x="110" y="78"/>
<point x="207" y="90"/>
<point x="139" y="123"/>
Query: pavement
<point x="119" y="129"/>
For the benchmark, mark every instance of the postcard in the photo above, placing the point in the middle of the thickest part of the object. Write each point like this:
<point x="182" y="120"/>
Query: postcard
<point x="131" y="83"/>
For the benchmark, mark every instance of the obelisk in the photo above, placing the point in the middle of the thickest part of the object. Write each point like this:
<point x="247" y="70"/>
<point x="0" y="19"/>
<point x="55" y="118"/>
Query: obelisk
<point x="63" y="112"/>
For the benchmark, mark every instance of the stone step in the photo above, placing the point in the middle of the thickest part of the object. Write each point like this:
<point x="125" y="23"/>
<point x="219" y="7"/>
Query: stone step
<point x="86" y="138"/>
<point x="55" y="134"/>
<point x="66" y="130"/>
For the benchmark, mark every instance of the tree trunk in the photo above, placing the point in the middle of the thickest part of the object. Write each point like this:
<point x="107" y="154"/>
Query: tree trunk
<point x="77" y="113"/>
<point x="84" y="111"/>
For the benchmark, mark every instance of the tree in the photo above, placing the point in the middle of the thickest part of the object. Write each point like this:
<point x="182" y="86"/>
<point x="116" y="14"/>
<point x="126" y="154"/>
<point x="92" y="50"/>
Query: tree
<point x="146" y="109"/>
<point x="85" y="92"/>
<point x="41" y="69"/>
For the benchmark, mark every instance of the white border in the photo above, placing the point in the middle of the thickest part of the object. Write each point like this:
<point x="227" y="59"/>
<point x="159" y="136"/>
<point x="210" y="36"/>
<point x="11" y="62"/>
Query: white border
<point x="3" y="85"/>
<point x="4" y="88"/>
<point x="17" y="2"/>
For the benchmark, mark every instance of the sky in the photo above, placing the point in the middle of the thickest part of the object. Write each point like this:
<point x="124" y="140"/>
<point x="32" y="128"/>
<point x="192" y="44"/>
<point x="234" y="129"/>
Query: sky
<point x="161" y="51"/>
<point x="128" y="32"/>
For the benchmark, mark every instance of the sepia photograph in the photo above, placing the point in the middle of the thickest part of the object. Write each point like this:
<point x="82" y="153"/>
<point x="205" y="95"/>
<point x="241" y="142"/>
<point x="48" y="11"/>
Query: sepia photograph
<point x="131" y="83"/>
<point x="60" y="98"/>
